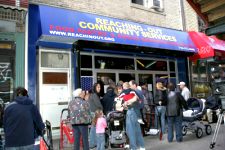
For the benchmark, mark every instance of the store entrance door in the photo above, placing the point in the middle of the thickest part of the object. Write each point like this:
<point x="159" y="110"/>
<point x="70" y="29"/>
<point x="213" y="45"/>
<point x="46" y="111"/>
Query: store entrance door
<point x="54" y="85"/>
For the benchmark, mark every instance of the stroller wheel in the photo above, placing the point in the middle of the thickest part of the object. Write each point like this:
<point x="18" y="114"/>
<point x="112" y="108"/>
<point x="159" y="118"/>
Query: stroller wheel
<point x="199" y="132"/>
<point x="208" y="129"/>
<point x="184" y="130"/>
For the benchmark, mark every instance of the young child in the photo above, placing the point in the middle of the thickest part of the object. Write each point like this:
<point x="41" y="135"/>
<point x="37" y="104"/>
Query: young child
<point x="100" y="123"/>
<point x="128" y="94"/>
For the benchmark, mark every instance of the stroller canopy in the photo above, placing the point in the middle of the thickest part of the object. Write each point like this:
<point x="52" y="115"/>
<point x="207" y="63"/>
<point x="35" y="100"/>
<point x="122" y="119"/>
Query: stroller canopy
<point x="198" y="105"/>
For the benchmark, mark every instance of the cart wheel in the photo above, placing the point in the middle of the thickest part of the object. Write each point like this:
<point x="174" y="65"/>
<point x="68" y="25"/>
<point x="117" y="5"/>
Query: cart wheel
<point x="199" y="132"/>
<point x="212" y="145"/>
<point x="184" y="130"/>
<point x="208" y="129"/>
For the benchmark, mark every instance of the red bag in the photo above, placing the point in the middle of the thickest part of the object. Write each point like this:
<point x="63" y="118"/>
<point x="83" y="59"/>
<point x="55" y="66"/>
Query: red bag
<point x="43" y="145"/>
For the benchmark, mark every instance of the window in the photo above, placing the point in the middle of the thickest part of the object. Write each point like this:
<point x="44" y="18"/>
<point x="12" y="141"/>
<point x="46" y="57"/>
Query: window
<point x="102" y="62"/>
<point x="54" y="60"/>
<point x="151" y="65"/>
<point x="86" y="61"/>
<point x="152" y="4"/>
<point x="172" y="66"/>
<point x="54" y="78"/>
<point x="7" y="70"/>
<point x="140" y="2"/>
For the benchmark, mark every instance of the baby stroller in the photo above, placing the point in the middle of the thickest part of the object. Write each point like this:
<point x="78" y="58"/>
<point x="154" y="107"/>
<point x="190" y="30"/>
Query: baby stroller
<point x="192" y="118"/>
<point x="116" y="129"/>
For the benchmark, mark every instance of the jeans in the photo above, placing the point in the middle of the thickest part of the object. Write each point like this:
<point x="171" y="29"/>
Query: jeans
<point x="100" y="141"/>
<point x="28" y="147"/>
<point x="177" y="121"/>
<point x="160" y="112"/>
<point x="133" y="130"/>
<point x="93" y="141"/>
<point x="80" y="132"/>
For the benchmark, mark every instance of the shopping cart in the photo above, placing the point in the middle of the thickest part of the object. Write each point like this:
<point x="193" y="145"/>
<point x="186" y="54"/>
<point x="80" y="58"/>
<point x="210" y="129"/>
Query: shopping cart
<point x="66" y="131"/>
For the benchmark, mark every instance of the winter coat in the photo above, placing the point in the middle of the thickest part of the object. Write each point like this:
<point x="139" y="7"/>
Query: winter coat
<point x="175" y="104"/>
<point x="160" y="95"/>
<point x="108" y="100"/>
<point x="21" y="121"/>
<point x="94" y="102"/>
<point x="79" y="111"/>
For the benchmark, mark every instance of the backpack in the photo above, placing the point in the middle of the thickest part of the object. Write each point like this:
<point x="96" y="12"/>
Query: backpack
<point x="79" y="111"/>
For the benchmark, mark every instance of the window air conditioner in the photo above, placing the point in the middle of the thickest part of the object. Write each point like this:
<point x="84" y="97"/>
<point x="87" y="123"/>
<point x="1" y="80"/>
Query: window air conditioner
<point x="156" y="4"/>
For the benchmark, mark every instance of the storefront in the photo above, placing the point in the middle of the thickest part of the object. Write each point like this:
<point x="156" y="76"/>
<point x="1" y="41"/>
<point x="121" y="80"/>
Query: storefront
<point x="12" y="50"/>
<point x="69" y="49"/>
<point x="207" y="65"/>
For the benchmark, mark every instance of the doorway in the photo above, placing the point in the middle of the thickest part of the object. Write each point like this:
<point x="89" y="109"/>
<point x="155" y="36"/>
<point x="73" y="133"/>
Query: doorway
<point x="54" y="84"/>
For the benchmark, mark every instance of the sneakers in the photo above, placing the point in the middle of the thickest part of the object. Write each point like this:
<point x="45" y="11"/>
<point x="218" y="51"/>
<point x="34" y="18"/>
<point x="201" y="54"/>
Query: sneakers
<point x="127" y="146"/>
<point x="141" y="121"/>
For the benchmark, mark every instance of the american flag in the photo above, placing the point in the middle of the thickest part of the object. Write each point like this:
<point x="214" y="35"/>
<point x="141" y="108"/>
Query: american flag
<point x="86" y="83"/>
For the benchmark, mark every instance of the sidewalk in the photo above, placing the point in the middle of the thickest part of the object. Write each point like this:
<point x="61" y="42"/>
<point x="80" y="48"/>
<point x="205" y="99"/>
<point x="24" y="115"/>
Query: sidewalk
<point x="190" y="142"/>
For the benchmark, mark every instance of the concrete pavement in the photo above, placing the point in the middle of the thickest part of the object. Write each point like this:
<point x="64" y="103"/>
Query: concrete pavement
<point x="190" y="142"/>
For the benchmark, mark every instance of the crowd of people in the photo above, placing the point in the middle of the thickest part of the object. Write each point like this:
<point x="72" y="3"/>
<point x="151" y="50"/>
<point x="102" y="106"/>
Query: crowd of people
<point x="88" y="109"/>
<point x="168" y="104"/>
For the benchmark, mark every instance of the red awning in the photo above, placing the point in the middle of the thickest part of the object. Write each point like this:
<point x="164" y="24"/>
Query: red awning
<point x="207" y="46"/>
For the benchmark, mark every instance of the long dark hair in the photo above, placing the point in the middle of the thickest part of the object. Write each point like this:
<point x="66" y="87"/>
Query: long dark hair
<point x="94" y="88"/>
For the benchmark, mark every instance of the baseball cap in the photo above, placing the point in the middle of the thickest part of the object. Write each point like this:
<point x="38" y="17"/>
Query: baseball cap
<point x="181" y="83"/>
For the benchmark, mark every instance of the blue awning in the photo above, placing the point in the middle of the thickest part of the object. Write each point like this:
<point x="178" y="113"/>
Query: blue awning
<point x="63" y="23"/>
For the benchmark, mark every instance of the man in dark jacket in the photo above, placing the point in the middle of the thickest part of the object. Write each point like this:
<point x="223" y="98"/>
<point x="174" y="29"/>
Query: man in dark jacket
<point x="175" y="104"/>
<point x="22" y="122"/>
<point x="108" y="100"/>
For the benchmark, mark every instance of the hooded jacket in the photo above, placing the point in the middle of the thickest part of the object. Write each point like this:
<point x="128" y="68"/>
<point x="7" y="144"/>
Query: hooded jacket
<point x="108" y="100"/>
<point x="21" y="121"/>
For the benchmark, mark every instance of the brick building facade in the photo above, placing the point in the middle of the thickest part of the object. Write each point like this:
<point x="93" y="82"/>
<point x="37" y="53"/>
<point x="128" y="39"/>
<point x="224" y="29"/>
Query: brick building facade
<point x="168" y="15"/>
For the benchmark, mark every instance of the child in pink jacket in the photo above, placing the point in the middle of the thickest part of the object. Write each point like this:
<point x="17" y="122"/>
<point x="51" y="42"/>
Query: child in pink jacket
<point x="101" y="124"/>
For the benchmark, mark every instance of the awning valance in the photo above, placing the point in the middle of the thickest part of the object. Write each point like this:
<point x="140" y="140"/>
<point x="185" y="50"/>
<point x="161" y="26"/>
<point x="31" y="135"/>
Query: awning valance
<point x="58" y="22"/>
<point x="207" y="46"/>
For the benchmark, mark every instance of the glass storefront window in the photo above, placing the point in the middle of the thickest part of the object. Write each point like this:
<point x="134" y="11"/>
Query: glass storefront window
<point x="54" y="60"/>
<point x="7" y="71"/>
<point x="172" y="65"/>
<point x="102" y="62"/>
<point x="126" y="77"/>
<point x="106" y="78"/>
<point x="86" y="61"/>
<point x="155" y="65"/>
<point x="86" y="73"/>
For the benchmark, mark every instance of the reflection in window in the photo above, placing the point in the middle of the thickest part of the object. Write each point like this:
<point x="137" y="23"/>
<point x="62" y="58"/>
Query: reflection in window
<point x="173" y="78"/>
<point x="102" y="62"/>
<point x="140" y="2"/>
<point x="126" y="77"/>
<point x="54" y="60"/>
<point x="172" y="66"/>
<point x="86" y="73"/>
<point x="145" y="78"/>
<point x="151" y="65"/>
<point x="86" y="61"/>
<point x="106" y="78"/>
